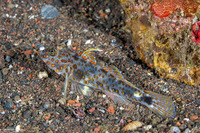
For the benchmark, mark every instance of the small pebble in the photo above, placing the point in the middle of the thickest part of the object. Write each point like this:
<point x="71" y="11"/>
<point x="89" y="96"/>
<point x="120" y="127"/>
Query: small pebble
<point x="107" y="10"/>
<point x="18" y="128"/>
<point x="111" y="110"/>
<point x="58" y="3"/>
<point x="155" y="121"/>
<point x="147" y="127"/>
<point x="41" y="48"/>
<point x="43" y="74"/>
<point x="10" y="66"/>
<point x="178" y="123"/>
<point x="121" y="108"/>
<point x="174" y="129"/>
<point x="28" y="52"/>
<point x="85" y="30"/>
<point x="183" y="126"/>
<point x="9" y="105"/>
<point x="2" y="112"/>
<point x="113" y="42"/>
<point x="104" y="96"/>
<point x="194" y="117"/>
<point x="71" y="102"/>
<point x="161" y="126"/>
<point x="17" y="98"/>
<point x="186" y="119"/>
<point x="49" y="12"/>
<point x="10" y="53"/>
<point x="47" y="105"/>
<point x="7" y="58"/>
<point x="197" y="102"/>
<point x="1" y="76"/>
<point x="96" y="129"/>
<point x="27" y="114"/>
<point x="195" y="130"/>
<point x="92" y="110"/>
<point x="187" y="130"/>
<point x="101" y="110"/>
<point x="89" y="42"/>
<point x="11" y="5"/>
<point x="132" y="126"/>
<point x="62" y="101"/>
<point x="69" y="42"/>
<point x="2" y="61"/>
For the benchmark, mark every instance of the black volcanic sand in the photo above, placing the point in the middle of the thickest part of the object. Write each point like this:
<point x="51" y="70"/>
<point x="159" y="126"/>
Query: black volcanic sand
<point x="34" y="105"/>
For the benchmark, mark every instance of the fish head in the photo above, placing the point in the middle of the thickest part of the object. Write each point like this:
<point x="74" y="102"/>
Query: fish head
<point x="49" y="53"/>
<point x="54" y="60"/>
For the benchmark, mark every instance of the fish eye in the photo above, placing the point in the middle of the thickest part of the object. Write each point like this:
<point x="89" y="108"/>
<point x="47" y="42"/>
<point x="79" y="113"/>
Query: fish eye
<point x="52" y="52"/>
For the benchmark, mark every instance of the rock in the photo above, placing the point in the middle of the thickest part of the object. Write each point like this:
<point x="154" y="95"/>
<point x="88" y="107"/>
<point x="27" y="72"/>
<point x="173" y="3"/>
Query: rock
<point x="9" y="105"/>
<point x="174" y="129"/>
<point x="5" y="71"/>
<point x="183" y="126"/>
<point x="28" y="52"/>
<point x="155" y="121"/>
<point x="47" y="105"/>
<point x="43" y="74"/>
<point x="27" y="114"/>
<point x="197" y="102"/>
<point x="17" y="98"/>
<point x="1" y="76"/>
<point x="62" y="101"/>
<point x="11" y="5"/>
<point x="8" y="58"/>
<point x="194" y="117"/>
<point x="58" y="3"/>
<point x="187" y="130"/>
<point x="2" y="61"/>
<point x="49" y="12"/>
<point x="161" y="126"/>
<point x="10" y="53"/>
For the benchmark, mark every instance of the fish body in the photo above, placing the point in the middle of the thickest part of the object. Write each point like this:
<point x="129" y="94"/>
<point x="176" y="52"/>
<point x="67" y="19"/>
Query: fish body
<point x="83" y="70"/>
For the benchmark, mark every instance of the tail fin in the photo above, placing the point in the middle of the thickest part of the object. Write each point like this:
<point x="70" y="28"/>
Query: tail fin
<point x="160" y="104"/>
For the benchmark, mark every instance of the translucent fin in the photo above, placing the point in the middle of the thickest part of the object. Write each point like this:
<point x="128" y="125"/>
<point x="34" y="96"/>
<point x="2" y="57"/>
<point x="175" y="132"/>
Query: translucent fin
<point x="118" y="99"/>
<point x="160" y="104"/>
<point x="82" y="89"/>
<point x="129" y="83"/>
<point x="65" y="86"/>
<point x="89" y="54"/>
<point x="117" y="72"/>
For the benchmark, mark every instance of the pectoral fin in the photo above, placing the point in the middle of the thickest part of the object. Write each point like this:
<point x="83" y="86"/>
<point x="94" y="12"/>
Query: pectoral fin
<point x="82" y="89"/>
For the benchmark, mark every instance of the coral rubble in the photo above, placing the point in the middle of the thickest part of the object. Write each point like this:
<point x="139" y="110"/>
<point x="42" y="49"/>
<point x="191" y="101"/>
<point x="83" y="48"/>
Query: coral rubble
<point x="165" y="43"/>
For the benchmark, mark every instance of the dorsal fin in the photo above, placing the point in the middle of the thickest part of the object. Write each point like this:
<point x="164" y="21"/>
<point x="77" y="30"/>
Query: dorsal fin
<point x="114" y="71"/>
<point x="89" y="54"/>
<point x="117" y="72"/>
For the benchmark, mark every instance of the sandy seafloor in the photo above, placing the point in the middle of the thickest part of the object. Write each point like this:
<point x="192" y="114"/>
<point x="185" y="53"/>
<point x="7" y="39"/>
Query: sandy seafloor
<point x="32" y="104"/>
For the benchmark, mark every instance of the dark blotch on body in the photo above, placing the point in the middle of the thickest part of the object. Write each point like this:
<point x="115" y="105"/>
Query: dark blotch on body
<point x="147" y="100"/>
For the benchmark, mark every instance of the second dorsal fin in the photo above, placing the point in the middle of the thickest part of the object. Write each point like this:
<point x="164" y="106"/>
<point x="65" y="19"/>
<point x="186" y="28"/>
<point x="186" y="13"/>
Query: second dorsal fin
<point x="90" y="54"/>
<point x="117" y="72"/>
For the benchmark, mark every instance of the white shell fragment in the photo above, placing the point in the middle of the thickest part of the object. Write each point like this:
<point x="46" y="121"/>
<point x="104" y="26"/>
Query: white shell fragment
<point x="132" y="126"/>
<point x="42" y="75"/>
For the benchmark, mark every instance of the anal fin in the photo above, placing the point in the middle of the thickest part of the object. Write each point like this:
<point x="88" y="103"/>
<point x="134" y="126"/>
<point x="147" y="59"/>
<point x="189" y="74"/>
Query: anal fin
<point x="118" y="99"/>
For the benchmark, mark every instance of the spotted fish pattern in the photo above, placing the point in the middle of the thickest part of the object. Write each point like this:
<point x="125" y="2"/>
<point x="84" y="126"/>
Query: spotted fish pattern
<point x="83" y="70"/>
